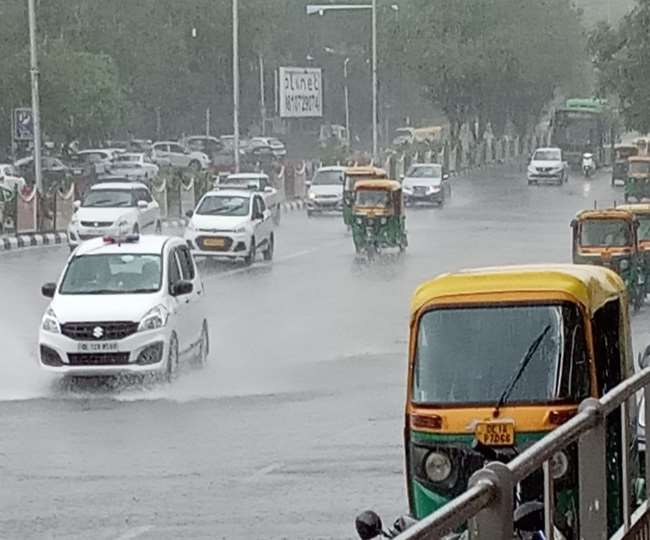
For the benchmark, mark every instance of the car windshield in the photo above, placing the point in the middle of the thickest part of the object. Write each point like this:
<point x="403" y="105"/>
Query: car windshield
<point x="112" y="274"/>
<point x="242" y="182"/>
<point x="639" y="167"/>
<point x="328" y="178"/>
<point x="605" y="232"/>
<point x="224" y="205"/>
<point x="468" y="355"/>
<point x="109" y="198"/>
<point x="127" y="158"/>
<point x="425" y="171"/>
<point x="547" y="155"/>
<point x="372" y="197"/>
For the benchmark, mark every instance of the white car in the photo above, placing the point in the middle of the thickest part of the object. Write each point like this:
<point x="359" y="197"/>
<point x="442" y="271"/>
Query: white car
<point x="325" y="193"/>
<point x="547" y="165"/>
<point x="179" y="156"/>
<point x="134" y="165"/>
<point x="279" y="150"/>
<point x="99" y="158"/>
<point x="231" y="224"/>
<point x="425" y="183"/>
<point x="125" y="305"/>
<point x="9" y="177"/>
<point x="113" y="208"/>
<point x="259" y="182"/>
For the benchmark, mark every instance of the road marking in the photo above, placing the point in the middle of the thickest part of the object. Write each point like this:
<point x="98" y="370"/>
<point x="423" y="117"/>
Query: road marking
<point x="260" y="473"/>
<point x="134" y="533"/>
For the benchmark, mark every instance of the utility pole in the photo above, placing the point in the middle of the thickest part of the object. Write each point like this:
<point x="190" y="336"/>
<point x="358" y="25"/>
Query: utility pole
<point x="347" y="100"/>
<point x="207" y="122"/>
<point x="262" y="97"/>
<point x="374" y="80"/>
<point x="235" y="81"/>
<point x="36" y="114"/>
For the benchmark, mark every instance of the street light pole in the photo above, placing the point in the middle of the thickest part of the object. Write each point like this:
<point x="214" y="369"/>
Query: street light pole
<point x="235" y="81"/>
<point x="347" y="100"/>
<point x="36" y="114"/>
<point x="374" y="80"/>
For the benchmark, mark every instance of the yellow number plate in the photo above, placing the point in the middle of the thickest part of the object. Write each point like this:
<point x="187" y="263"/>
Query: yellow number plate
<point x="214" y="242"/>
<point x="495" y="433"/>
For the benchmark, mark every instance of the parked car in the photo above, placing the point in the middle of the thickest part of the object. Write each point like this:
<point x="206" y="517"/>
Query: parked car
<point x="179" y="156"/>
<point x="53" y="169"/>
<point x="132" y="304"/>
<point x="9" y="177"/>
<point x="275" y="144"/>
<point x="231" y="224"/>
<point x="100" y="159"/>
<point x="203" y="143"/>
<point x="548" y="165"/>
<point x="262" y="156"/>
<point x="113" y="208"/>
<point x="133" y="165"/>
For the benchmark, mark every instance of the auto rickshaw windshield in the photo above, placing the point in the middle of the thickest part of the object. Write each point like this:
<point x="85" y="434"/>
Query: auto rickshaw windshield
<point x="468" y="355"/>
<point x="372" y="198"/>
<point x="605" y="232"/>
<point x="639" y="167"/>
<point x="644" y="227"/>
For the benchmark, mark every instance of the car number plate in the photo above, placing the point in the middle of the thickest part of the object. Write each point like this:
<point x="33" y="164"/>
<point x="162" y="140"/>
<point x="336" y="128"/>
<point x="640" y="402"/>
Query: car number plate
<point x="100" y="346"/>
<point x="495" y="433"/>
<point x="214" y="242"/>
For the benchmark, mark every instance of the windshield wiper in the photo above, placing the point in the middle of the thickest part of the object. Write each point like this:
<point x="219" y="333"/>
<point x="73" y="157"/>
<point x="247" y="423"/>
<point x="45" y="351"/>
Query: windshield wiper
<point x="520" y="371"/>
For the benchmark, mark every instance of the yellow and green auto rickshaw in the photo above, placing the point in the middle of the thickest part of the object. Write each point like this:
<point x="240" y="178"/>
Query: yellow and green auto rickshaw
<point x="498" y="357"/>
<point x="352" y="176"/>
<point x="378" y="220"/>
<point x="637" y="181"/>
<point x="622" y="152"/>
<point x="609" y="238"/>
<point x="641" y="211"/>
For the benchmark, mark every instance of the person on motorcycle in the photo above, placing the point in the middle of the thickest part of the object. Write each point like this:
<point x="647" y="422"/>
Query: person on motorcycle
<point x="588" y="164"/>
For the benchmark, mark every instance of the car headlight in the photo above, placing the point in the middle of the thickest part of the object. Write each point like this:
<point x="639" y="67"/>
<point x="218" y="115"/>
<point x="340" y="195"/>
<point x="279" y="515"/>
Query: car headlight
<point x="239" y="230"/>
<point x="559" y="465"/>
<point x="624" y="265"/>
<point x="50" y="322"/>
<point x="434" y="189"/>
<point x="408" y="190"/>
<point x="311" y="195"/>
<point x="154" y="318"/>
<point x="531" y="170"/>
<point x="74" y="221"/>
<point x="437" y="467"/>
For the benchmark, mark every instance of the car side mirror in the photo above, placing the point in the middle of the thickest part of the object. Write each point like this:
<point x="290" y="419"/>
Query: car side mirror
<point x="189" y="213"/>
<point x="644" y="359"/>
<point x="181" y="287"/>
<point x="142" y="205"/>
<point x="445" y="177"/>
<point x="76" y="205"/>
<point x="48" y="290"/>
<point x="368" y="525"/>
<point x="573" y="223"/>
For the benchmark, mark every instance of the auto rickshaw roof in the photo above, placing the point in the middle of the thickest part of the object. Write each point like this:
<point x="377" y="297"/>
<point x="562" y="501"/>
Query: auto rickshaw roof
<point x="590" y="286"/>
<point x="385" y="185"/>
<point x="639" y="159"/>
<point x="637" y="208"/>
<point x="629" y="146"/>
<point x="366" y="171"/>
<point x="605" y="213"/>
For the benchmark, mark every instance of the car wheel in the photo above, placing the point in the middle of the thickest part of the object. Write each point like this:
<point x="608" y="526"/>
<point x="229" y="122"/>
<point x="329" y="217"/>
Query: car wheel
<point x="250" y="258"/>
<point x="195" y="165"/>
<point x="136" y="229"/>
<point x="158" y="227"/>
<point x="277" y="215"/>
<point x="309" y="213"/>
<point x="204" y="346"/>
<point x="172" y="359"/>
<point x="268" y="252"/>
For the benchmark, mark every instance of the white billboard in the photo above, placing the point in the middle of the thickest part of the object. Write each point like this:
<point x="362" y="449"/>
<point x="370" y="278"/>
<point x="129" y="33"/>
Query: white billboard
<point x="301" y="92"/>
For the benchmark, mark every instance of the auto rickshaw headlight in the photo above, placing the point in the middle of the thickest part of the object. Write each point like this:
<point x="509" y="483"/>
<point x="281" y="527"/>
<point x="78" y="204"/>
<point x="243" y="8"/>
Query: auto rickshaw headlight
<point x="359" y="221"/>
<point x="312" y="195"/>
<point x="383" y="221"/>
<point x="559" y="465"/>
<point x="437" y="466"/>
<point x="624" y="265"/>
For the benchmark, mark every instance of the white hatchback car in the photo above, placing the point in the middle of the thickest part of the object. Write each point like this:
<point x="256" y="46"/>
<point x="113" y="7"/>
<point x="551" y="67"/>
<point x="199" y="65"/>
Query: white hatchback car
<point x="259" y="182"/>
<point x="231" y="224"/>
<point x="325" y="192"/>
<point x="125" y="305"/>
<point x="114" y="208"/>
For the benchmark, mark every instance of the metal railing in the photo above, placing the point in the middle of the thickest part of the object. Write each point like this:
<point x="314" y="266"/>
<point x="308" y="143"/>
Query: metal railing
<point x="487" y="505"/>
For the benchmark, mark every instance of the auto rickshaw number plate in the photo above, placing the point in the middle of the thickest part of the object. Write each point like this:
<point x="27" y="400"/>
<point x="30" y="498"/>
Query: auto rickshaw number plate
<point x="214" y="242"/>
<point x="495" y="433"/>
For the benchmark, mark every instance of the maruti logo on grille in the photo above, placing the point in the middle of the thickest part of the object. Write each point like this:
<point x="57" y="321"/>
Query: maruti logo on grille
<point x="98" y="332"/>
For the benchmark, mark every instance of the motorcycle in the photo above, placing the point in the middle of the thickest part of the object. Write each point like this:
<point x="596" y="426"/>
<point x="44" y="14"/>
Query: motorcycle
<point x="588" y="164"/>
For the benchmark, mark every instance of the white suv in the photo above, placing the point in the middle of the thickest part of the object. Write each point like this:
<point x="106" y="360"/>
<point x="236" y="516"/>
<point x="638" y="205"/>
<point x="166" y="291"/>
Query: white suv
<point x="179" y="156"/>
<point x="114" y="208"/>
<point x="231" y="224"/>
<point x="125" y="305"/>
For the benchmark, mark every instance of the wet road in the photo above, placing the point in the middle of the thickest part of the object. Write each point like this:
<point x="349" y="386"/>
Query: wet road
<point x="295" y="425"/>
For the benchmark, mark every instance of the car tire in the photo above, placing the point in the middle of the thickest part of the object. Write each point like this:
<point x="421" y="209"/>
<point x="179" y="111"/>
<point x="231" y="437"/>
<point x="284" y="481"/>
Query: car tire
<point x="158" y="227"/>
<point x="309" y="213"/>
<point x="171" y="370"/>
<point x="277" y="215"/>
<point x="250" y="258"/>
<point x="268" y="252"/>
<point x="204" y="346"/>
<point x="136" y="229"/>
<point x="195" y="165"/>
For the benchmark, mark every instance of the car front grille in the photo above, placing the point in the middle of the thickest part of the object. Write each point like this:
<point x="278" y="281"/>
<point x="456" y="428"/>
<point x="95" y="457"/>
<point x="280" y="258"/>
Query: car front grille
<point x="112" y="330"/>
<point x="98" y="359"/>
<point x="96" y="223"/>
